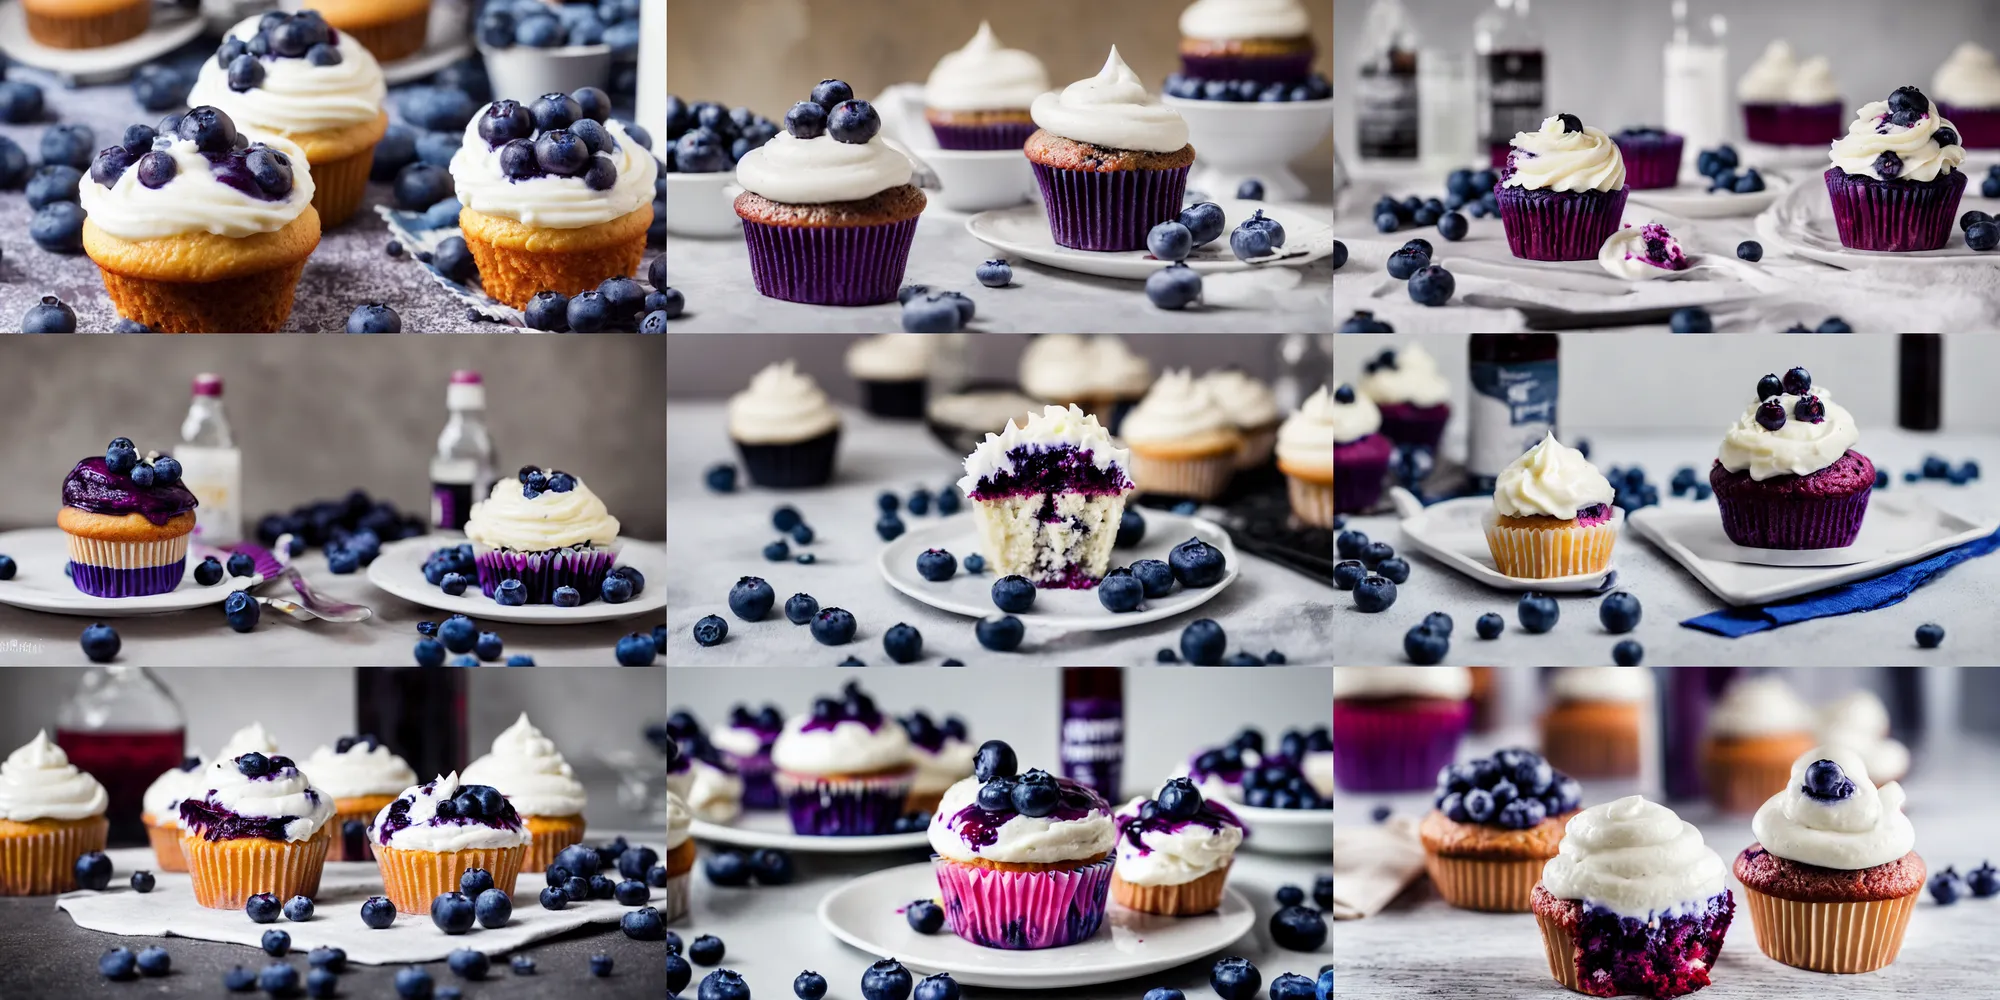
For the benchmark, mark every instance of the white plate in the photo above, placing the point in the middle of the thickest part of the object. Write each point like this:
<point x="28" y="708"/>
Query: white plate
<point x="400" y="571"/>
<point x="1802" y="221"/>
<point x="1024" y="232"/>
<point x="105" y="64"/>
<point x="39" y="583"/>
<point x="1286" y="831"/>
<point x="773" y="829"/>
<point x="867" y="913"/>
<point x="1691" y="200"/>
<point x="1454" y="533"/>
<point x="1901" y="528"/>
<point x="1071" y="610"/>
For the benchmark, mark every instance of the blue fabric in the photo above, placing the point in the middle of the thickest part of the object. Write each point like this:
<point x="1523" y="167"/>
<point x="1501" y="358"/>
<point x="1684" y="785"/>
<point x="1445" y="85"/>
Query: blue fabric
<point x="1866" y="595"/>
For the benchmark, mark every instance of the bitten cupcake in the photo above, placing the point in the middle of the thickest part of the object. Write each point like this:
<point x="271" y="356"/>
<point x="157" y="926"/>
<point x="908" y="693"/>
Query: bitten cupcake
<point x="362" y="776"/>
<point x="1112" y="161"/>
<point x="978" y="97"/>
<point x="746" y="743"/>
<point x="86" y="24"/>
<point x="391" y="29"/>
<point x="196" y="228"/>
<point x="1633" y="903"/>
<point x="1414" y="398"/>
<point x="1182" y="442"/>
<point x="1832" y="880"/>
<point x="1061" y="461"/>
<point x="1497" y="822"/>
<point x="1860" y="722"/>
<point x="894" y="371"/>
<point x="785" y="429"/>
<point x="50" y="814"/>
<point x="1593" y="725"/>
<point x="528" y="769"/>
<point x="1097" y="372"/>
<point x="160" y="806"/>
<point x="1787" y="102"/>
<point x="1652" y="157"/>
<point x="1967" y="87"/>
<point x="1174" y="851"/>
<point x="126" y="530"/>
<point x="1394" y="727"/>
<point x="1562" y="191"/>
<point x="1552" y="515"/>
<point x="260" y="826"/>
<point x="1023" y="859"/>
<point x="1323" y="437"/>
<point x="1269" y="41"/>
<point x="1787" y="475"/>
<point x="680" y="857"/>
<point x="545" y="529"/>
<point x="1252" y="408"/>
<point x="844" y="769"/>
<point x="1753" y="734"/>
<point x="1896" y="179"/>
<point x="942" y="755"/>
<point x="434" y="832"/>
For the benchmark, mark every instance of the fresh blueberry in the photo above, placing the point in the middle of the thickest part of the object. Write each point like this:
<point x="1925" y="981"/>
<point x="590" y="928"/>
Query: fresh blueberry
<point x="886" y="980"/>
<point x="1408" y="261"/>
<point x="298" y="909"/>
<point x="853" y="121"/>
<point x="769" y="867"/>
<point x="264" y="908"/>
<point x="809" y="985"/>
<point x="903" y="643"/>
<point x="936" y="565"/>
<point x="1750" y="250"/>
<point x="1692" y="319"/>
<point x="636" y="650"/>
<point x="1619" y="612"/>
<point x="1013" y="594"/>
<point x="376" y="912"/>
<point x="1235" y="979"/>
<point x="1203" y="642"/>
<point x="994" y="273"/>
<point x="59" y="182"/>
<point x="710" y="630"/>
<point x="118" y="964"/>
<point x="93" y="871"/>
<point x="833" y="626"/>
<point x="1946" y="887"/>
<point x="1175" y="286"/>
<point x="1432" y="286"/>
<point x="100" y="643"/>
<point x="1002" y="634"/>
<point x="1120" y="592"/>
<point x="1538" y="612"/>
<point x="1374" y="594"/>
<point x="1156" y="577"/>
<point x="930" y="314"/>
<point x="1170" y="241"/>
<point x="58" y="228"/>
<point x="1929" y="635"/>
<point x="1204" y="221"/>
<point x="1453" y="227"/>
<point x="20" y="102"/>
<point x="645" y="924"/>
<point x="1196" y="563"/>
<point x="454" y="261"/>
<point x="828" y="93"/>
<point x="277" y="943"/>
<point x="1425" y="647"/>
<point x="727" y="868"/>
<point x="1249" y="244"/>
<point x="1983" y="236"/>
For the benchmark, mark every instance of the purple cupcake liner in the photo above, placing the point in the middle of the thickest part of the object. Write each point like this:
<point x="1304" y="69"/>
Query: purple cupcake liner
<point x="1652" y="164"/>
<point x="111" y="581"/>
<point x="1560" y="225"/>
<point x="791" y="466"/>
<point x="1408" y="424"/>
<point x="1895" y="216"/>
<point x="1794" y="124"/>
<point x="830" y="265"/>
<point x="1792" y="522"/>
<point x="1978" y="128"/>
<point x="1109" y="210"/>
<point x="1359" y="468"/>
<point x="758" y="790"/>
<point x="848" y="807"/>
<point x="542" y="572"/>
<point x="902" y="400"/>
<point x="997" y="135"/>
<point x="1292" y="68"/>
<point x="1023" y="911"/>
<point x="1395" y="747"/>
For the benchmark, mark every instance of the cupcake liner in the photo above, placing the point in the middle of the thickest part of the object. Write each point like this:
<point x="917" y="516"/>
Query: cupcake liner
<point x="1109" y="210"/>
<point x="166" y="844"/>
<point x="1652" y="164"/>
<point x="1199" y="478"/>
<point x="797" y="465"/>
<point x="1289" y="68"/>
<point x="1830" y="937"/>
<point x="676" y="906"/>
<point x="1023" y="910"/>
<point x="542" y="572"/>
<point x="830" y="265"/>
<point x="254" y="303"/>
<point x="362" y="808"/>
<point x="1259" y="444"/>
<point x="844" y="806"/>
<point x="1741" y="785"/>
<point x="103" y="568"/>
<point x="1395" y="746"/>
<point x="680" y="860"/>
<point x="412" y="879"/>
<point x="1184" y="900"/>
<point x="339" y="186"/>
<point x="1599" y="952"/>
<point x="1312" y="502"/>
<point x="1794" y="124"/>
<point x="91" y="31"/>
<point x="1791" y="522"/>
<point x="1479" y="884"/>
<point x="1410" y="425"/>
<point x="1559" y="945"/>
<point x="513" y="274"/>
<point x="1544" y="553"/>
<point x="1592" y="746"/>
<point x="998" y="135"/>
<point x="551" y="834"/>
<point x="1895" y="216"/>
<point x="1978" y="128"/>
<point x="758" y="790"/>
<point x="1560" y="225"/>
<point x="228" y="872"/>
<point x="392" y="40"/>
<point x="1359" y="470"/>
<point x="38" y="857"/>
<point x="899" y="400"/>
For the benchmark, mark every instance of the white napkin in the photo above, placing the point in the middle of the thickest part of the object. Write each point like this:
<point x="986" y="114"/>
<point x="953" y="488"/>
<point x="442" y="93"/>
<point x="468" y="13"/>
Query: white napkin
<point x="1372" y="865"/>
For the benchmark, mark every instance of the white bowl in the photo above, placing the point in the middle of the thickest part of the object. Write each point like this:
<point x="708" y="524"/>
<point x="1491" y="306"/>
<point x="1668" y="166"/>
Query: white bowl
<point x="702" y="204"/>
<point x="523" y="72"/>
<point x="1235" y="141"/>
<point x="979" y="180"/>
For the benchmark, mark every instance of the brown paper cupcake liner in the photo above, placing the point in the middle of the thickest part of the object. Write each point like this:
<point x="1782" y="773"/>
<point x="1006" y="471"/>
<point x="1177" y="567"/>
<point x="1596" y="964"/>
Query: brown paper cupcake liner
<point x="1184" y="900"/>
<point x="340" y="185"/>
<point x="1312" y="502"/>
<point x="551" y="835"/>
<point x="514" y="275"/>
<point x="1742" y="786"/>
<point x="1200" y="478"/>
<point x="1479" y="884"/>
<point x="92" y="32"/>
<point x="38" y="857"/>
<point x="1596" y="751"/>
<point x="1560" y="946"/>
<point x="254" y="303"/>
<point x="411" y="879"/>
<point x="228" y="872"/>
<point x="166" y="841"/>
<point x="1831" y="937"/>
<point x="391" y="40"/>
<point x="677" y="897"/>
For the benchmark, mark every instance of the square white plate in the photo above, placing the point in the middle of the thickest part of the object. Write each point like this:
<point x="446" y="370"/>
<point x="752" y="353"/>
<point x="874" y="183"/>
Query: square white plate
<point x="1454" y="533"/>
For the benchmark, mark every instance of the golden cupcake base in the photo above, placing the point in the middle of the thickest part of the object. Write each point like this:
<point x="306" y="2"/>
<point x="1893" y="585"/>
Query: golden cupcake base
<point x="517" y="260"/>
<point x="38" y="856"/>
<point x="226" y="873"/>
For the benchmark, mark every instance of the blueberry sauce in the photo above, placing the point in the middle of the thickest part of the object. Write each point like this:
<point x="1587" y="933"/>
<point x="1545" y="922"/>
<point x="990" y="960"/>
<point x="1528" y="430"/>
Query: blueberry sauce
<point x="1212" y="816"/>
<point x="981" y="827"/>
<point x="93" y="487"/>
<point x="214" y="821"/>
<point x="1596" y="513"/>
<point x="1039" y="469"/>
<point x="449" y="812"/>
<point x="866" y="714"/>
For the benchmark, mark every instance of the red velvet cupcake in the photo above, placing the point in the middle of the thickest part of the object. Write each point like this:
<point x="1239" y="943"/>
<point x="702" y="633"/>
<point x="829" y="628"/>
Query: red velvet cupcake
<point x="1562" y="192"/>
<point x="1786" y="476"/>
<point x="1361" y="452"/>
<point x="1897" y="176"/>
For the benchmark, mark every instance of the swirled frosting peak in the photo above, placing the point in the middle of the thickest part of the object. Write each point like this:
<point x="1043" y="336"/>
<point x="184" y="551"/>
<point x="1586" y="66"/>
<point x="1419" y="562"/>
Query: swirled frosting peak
<point x="201" y="188"/>
<point x="781" y="404"/>
<point x="1551" y="479"/>
<point x="1111" y="109"/>
<point x="1769" y="79"/>
<point x="255" y="796"/>
<point x="1177" y="408"/>
<point x="1565" y="155"/>
<point x="38" y="782"/>
<point x="1306" y="438"/>
<point x="1833" y="816"/>
<point x="1635" y="858"/>
<point x="360" y="768"/>
<point x="339" y="86"/>
<point x="1221" y="19"/>
<point x="1798" y="446"/>
<point x="1760" y="706"/>
<point x="1861" y="721"/>
<point x="984" y="76"/>
<point x="446" y="814"/>
<point x="527" y="768"/>
<point x="517" y="516"/>
<point x="1970" y="78"/>
<point x="1877" y="145"/>
<point x="821" y="170"/>
<point x="1406" y="375"/>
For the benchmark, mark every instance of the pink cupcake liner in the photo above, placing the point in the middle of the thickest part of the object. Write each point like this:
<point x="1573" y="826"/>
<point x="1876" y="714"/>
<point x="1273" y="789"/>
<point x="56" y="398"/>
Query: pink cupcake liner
<point x="1560" y="225"/>
<point x="1359" y="468"/>
<point x="1791" y="522"/>
<point x="1023" y="911"/>
<point x="1652" y="164"/>
<point x="542" y="572"/>
<point x="1978" y="128"/>
<point x="1794" y="124"/>
<point x="1895" y="216"/>
<point x="1109" y="210"/>
<point x="830" y="265"/>
<point x="1395" y="748"/>
<point x="999" y="135"/>
<point x="1294" y="68"/>
<point x="1408" y="424"/>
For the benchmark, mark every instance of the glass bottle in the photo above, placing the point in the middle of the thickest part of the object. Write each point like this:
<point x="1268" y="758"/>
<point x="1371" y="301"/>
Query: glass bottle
<point x="211" y="465"/>
<point x="1093" y="728"/>
<point x="1386" y="94"/>
<point x="125" y="729"/>
<point x="1515" y="379"/>
<point x="1920" y="381"/>
<point x="462" y="468"/>
<point x="1511" y="72"/>
<point x="420" y="711"/>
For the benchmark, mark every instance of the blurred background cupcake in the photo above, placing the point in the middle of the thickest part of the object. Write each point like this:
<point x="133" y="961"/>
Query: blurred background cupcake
<point x="1251" y="407"/>
<point x="391" y="29"/>
<point x="978" y="96"/>
<point x="1361" y="452"/>
<point x="1094" y="371"/>
<point x="1754" y="733"/>
<point x="1967" y="88"/>
<point x="785" y="429"/>
<point x="1268" y="41"/>
<point x="1182" y="442"/>
<point x="1308" y="448"/>
<point x="1414" y="398"/>
<point x="1592" y="728"/>
<point x="893" y="369"/>
<point x="1395" y="727"/>
<point x="86" y="24"/>
<point x="1860" y="721"/>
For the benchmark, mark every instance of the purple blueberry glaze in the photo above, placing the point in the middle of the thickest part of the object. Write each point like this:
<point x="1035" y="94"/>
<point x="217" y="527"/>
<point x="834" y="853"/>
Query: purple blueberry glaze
<point x="214" y="821"/>
<point x="1669" y="955"/>
<point x="93" y="487"/>
<point x="981" y="828"/>
<point x="1212" y="816"/>
<point x="399" y="813"/>
<point x="1061" y="469"/>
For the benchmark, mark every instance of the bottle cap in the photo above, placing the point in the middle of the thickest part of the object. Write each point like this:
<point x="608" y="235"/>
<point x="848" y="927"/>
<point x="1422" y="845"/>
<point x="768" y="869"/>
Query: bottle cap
<point x="208" y="384"/>
<point x="465" y="376"/>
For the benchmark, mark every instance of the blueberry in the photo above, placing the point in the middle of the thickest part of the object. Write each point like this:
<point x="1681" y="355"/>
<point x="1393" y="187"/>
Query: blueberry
<point x="277" y="943"/>
<point x="1170" y="241"/>
<point x="1628" y="653"/>
<point x="1983" y="236"/>
<point x="1833" y="324"/>
<point x="1425" y="647"/>
<point x="157" y="86"/>
<point x="298" y="909"/>
<point x="889" y="527"/>
<point x="853" y="121"/>
<point x="710" y="630"/>
<point x="1387" y="222"/>
<point x="903" y="643"/>
<point x="828" y="93"/>
<point x="1692" y="319"/>
<point x="1235" y="979"/>
<point x="645" y="924"/>
<point x="1249" y="244"/>
<point x="1929" y="635"/>
<point x="263" y="907"/>
<point x="1196" y="563"/>
<point x="1156" y="577"/>
<point x="1984" y="881"/>
<point x="1013" y="594"/>
<point x="454" y="261"/>
<point x="1002" y="634"/>
<point x="100" y="642"/>
<point x="1407" y="261"/>
<point x="1203" y="642"/>
<point x="833" y="626"/>
<point x="886" y="980"/>
<point x="1538" y="612"/>
<point x="936" y="565"/>
<point x="1204" y="221"/>
<point x="376" y="912"/>
<point x="1453" y="227"/>
<point x="1432" y="286"/>
<point x="20" y="102"/>
<point x="930" y="314"/>
<point x="809" y="985"/>
<point x="1619" y="612"/>
<point x="142" y="881"/>
<point x="924" y="916"/>
<point x="118" y="964"/>
<point x="58" y="228"/>
<point x="1120" y="592"/>
<point x="59" y="182"/>
<point x="328" y="958"/>
<point x="994" y="759"/>
<point x="1946" y="887"/>
<point x="1175" y="286"/>
<point x="638" y="649"/>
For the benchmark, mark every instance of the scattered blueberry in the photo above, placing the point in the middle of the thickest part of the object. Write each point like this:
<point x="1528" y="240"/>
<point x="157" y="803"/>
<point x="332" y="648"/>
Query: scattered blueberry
<point x="1929" y="635"/>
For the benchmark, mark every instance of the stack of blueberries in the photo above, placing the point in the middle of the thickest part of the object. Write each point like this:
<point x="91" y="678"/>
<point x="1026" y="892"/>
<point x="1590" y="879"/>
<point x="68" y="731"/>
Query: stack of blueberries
<point x="705" y="137"/>
<point x="1193" y="88"/>
<point x="1719" y="166"/>
<point x="1514" y="789"/>
<point x="351" y="530"/>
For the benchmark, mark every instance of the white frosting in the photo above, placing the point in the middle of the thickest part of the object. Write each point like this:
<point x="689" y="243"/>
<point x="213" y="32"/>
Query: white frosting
<point x="1174" y="857"/>
<point x="983" y="76"/>
<point x="1970" y="78"/>
<point x="680" y="821"/>
<point x="358" y="772"/>
<point x="937" y="771"/>
<point x="1860" y="721"/>
<point x="821" y="170"/>
<point x="448" y="835"/>
<point x="527" y="768"/>
<point x="1814" y="83"/>
<point x="194" y="201"/>
<point x="1870" y="135"/>
<point x="1244" y="397"/>
<point x="781" y="405"/>
<point x="1245" y="19"/>
<point x="1617" y="684"/>
<point x="38" y="782"/>
<point x="1119" y="371"/>
<point x="269" y="797"/>
<point x="508" y="519"/>
<point x="1054" y="426"/>
<point x="1624" y="255"/>
<point x="890" y="357"/>
<point x="1635" y="858"/>
<point x="551" y="202"/>
<point x="1350" y="422"/>
<point x="1113" y="110"/>
<point x="849" y="747"/>
<point x="1175" y="409"/>
<point x="1798" y="448"/>
<point x="1415" y="380"/>
<point x="1068" y="367"/>
<point x="163" y="797"/>
<point x="1318" y="769"/>
<point x="740" y="741"/>
<point x="681" y="782"/>
<point x="1760" y="706"/>
<point x="1450" y="683"/>
<point x="1551" y="479"/>
<point x="1865" y="829"/>
<point x="717" y="795"/>
<point x="1022" y="839"/>
<point x="1769" y="79"/>
<point x="295" y="95"/>
<point x="251" y="737"/>
<point x="1567" y="161"/>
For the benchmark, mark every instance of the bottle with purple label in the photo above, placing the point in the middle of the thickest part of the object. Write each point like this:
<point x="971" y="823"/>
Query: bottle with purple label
<point x="462" y="468"/>
<point x="1093" y="728"/>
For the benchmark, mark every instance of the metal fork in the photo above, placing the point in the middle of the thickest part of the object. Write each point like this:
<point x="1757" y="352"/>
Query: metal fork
<point x="311" y="604"/>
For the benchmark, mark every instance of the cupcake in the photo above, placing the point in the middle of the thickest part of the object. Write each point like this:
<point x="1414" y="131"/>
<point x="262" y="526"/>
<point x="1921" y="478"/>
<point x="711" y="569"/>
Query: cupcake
<point x="125" y="539"/>
<point x="1395" y="727"/>
<point x="1096" y="372"/>
<point x="435" y="832"/>
<point x="894" y="370"/>
<point x="310" y="84"/>
<point x="680" y="857"/>
<point x="547" y="530"/>
<point x="50" y="814"/>
<point x="1633" y="903"/>
<point x="1787" y="102"/>
<point x="1174" y="851"/>
<point x="1268" y="41"/>
<point x="390" y="29"/>
<point x="160" y="806"/>
<point x="978" y="97"/>
<point x="942" y="755"/>
<point x="1753" y="734"/>
<point x="717" y="793"/>
<point x="1968" y="92"/>
<point x="680" y="771"/>
<point x="553" y="200"/>
<point x="1251" y="408"/>
<point x="1023" y="861"/>
<point x="1552" y="515"/>
<point x="844" y="769"/>
<point x="1497" y="822"/>
<point x="1592" y="728"/>
<point x="540" y="786"/>
<point x="1787" y="475"/>
<point x="198" y="229"/>
<point x="362" y="776"/>
<point x="1414" y="399"/>
<point x="1317" y="763"/>
<point x="1562" y="191"/>
<point x="1182" y="441"/>
<point x="1831" y="881"/>
<point x="1314" y="443"/>
<point x="1860" y="722"/>
<point x="1896" y="179"/>
<point x="746" y="744"/>
<point x="1060" y="461"/>
<point x="86" y="24"/>
<point x="1112" y="161"/>
<point x="785" y="429"/>
<point x="259" y="826"/>
<point x="1652" y="157"/>
<point x="827" y="206"/>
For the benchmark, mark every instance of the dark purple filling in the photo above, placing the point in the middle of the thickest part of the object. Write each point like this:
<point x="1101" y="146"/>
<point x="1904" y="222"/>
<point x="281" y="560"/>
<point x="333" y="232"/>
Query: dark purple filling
<point x="399" y="816"/>
<point x="981" y="828"/>
<point x="1596" y="513"/>
<point x="1212" y="815"/>
<point x="1668" y="956"/>
<point x="92" y="487"/>
<point x="214" y="821"/>
<point x="1061" y="469"/>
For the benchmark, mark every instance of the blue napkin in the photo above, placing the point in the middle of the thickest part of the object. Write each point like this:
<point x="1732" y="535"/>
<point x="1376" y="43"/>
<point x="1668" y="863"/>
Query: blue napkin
<point x="1866" y="595"/>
